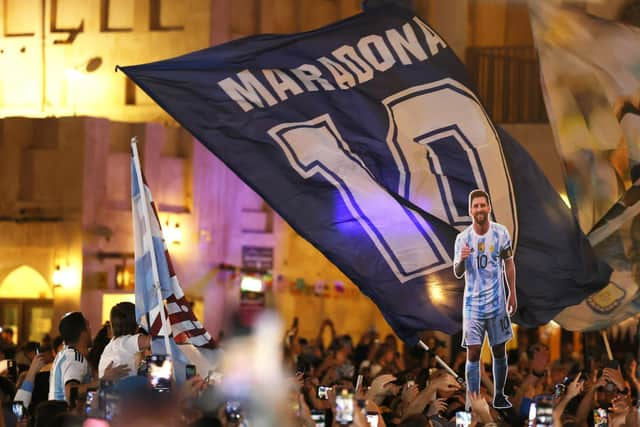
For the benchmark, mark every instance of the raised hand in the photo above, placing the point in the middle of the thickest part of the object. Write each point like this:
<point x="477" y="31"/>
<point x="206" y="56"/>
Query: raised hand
<point x="465" y="252"/>
<point x="114" y="373"/>
<point x="575" y="387"/>
<point x="409" y="393"/>
<point x="37" y="363"/>
<point x="380" y="386"/>
<point x="437" y="406"/>
<point x="480" y="408"/>
<point x="614" y="376"/>
<point x="445" y="382"/>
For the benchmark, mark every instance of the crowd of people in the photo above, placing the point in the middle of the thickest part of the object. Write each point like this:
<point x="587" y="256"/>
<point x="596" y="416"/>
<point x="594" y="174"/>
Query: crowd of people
<point x="78" y="379"/>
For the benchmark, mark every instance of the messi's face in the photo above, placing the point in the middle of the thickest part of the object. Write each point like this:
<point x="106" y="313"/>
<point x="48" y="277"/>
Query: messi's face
<point x="480" y="210"/>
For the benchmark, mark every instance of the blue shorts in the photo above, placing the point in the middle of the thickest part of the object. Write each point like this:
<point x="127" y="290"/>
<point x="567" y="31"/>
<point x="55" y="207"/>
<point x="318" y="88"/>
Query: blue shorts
<point x="498" y="329"/>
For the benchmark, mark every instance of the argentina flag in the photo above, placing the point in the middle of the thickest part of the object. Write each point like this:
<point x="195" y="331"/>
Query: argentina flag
<point x="366" y="137"/>
<point x="156" y="280"/>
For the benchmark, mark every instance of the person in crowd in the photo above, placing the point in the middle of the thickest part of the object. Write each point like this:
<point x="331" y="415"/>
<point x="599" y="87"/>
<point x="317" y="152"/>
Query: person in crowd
<point x="25" y="354"/>
<point x="126" y="342"/>
<point x="57" y="345"/>
<point x="422" y="394"/>
<point x="6" y="343"/>
<point x="100" y="342"/>
<point x="26" y="388"/>
<point x="70" y="367"/>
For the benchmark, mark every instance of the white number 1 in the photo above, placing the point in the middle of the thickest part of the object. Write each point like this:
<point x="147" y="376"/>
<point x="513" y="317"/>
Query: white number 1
<point x="404" y="240"/>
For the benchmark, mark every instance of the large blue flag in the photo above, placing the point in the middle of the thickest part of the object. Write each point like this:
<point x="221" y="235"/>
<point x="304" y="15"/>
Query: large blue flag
<point x="366" y="137"/>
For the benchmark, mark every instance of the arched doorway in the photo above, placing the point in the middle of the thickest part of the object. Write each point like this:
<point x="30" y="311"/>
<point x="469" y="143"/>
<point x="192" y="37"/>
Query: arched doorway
<point x="26" y="304"/>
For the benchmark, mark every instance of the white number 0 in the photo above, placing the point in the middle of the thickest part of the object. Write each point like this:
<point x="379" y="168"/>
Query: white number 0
<point x="404" y="239"/>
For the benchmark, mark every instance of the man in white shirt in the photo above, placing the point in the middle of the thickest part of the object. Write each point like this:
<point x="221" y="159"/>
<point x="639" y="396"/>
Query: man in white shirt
<point x="70" y="367"/>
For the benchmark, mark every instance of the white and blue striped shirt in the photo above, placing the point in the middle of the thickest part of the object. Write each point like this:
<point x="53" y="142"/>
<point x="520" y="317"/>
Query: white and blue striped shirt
<point x="484" y="293"/>
<point x="69" y="365"/>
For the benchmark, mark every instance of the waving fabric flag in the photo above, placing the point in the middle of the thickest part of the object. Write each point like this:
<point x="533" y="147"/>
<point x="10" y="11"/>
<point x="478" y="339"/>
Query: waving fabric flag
<point x="591" y="82"/>
<point x="365" y="136"/>
<point x="154" y="268"/>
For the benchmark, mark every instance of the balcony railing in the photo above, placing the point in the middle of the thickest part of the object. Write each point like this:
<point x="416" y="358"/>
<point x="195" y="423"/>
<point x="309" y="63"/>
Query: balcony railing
<point x="508" y="83"/>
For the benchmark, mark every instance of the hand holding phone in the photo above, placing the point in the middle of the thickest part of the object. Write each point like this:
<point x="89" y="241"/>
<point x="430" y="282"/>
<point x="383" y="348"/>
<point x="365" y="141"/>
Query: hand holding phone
<point x="463" y="419"/>
<point x="18" y="410"/>
<point x="600" y="417"/>
<point x="544" y="410"/>
<point x="323" y="392"/>
<point x="372" y="419"/>
<point x="318" y="417"/>
<point x="345" y="405"/>
<point x="190" y="371"/>
<point x="160" y="370"/>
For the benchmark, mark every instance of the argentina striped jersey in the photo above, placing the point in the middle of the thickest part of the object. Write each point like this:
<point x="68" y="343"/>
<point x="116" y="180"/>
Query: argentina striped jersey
<point x="484" y="293"/>
<point x="69" y="365"/>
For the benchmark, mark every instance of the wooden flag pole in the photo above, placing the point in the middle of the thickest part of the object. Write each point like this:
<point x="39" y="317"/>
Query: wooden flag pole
<point x="606" y="344"/>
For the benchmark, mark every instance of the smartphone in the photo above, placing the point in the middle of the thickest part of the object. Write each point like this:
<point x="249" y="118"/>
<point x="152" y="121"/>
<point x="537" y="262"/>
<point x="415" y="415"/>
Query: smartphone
<point x="372" y="419"/>
<point x="322" y="392"/>
<point x="160" y="368"/>
<point x="90" y="401"/>
<point x="532" y="414"/>
<point x="18" y="409"/>
<point x="544" y="411"/>
<point x="600" y="417"/>
<point x="359" y="382"/>
<point x="345" y="406"/>
<point x="112" y="406"/>
<point x="232" y="410"/>
<point x="463" y="419"/>
<point x="12" y="370"/>
<point x="190" y="371"/>
<point x="73" y="397"/>
<point x="318" y="417"/>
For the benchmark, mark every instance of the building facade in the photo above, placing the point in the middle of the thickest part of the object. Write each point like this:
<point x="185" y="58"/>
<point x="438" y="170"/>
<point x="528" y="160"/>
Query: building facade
<point x="67" y="119"/>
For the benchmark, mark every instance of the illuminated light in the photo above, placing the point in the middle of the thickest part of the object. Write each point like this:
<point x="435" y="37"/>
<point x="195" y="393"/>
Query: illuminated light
<point x="13" y="285"/>
<point x="565" y="199"/>
<point x="57" y="276"/>
<point x="251" y="284"/>
<point x="172" y="234"/>
<point x="124" y="277"/>
<point x="436" y="293"/>
<point x="554" y="324"/>
<point x="63" y="276"/>
<point x="74" y="74"/>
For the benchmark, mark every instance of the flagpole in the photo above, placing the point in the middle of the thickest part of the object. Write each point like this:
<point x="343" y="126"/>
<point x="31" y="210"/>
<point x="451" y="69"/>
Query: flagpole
<point x="606" y="344"/>
<point x="149" y="242"/>
<point x="441" y="362"/>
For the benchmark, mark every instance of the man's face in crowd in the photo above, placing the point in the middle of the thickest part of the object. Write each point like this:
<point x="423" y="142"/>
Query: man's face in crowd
<point x="7" y="336"/>
<point x="480" y="210"/>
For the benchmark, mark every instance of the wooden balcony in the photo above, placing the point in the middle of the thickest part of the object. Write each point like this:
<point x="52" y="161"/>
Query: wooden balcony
<point x="507" y="79"/>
